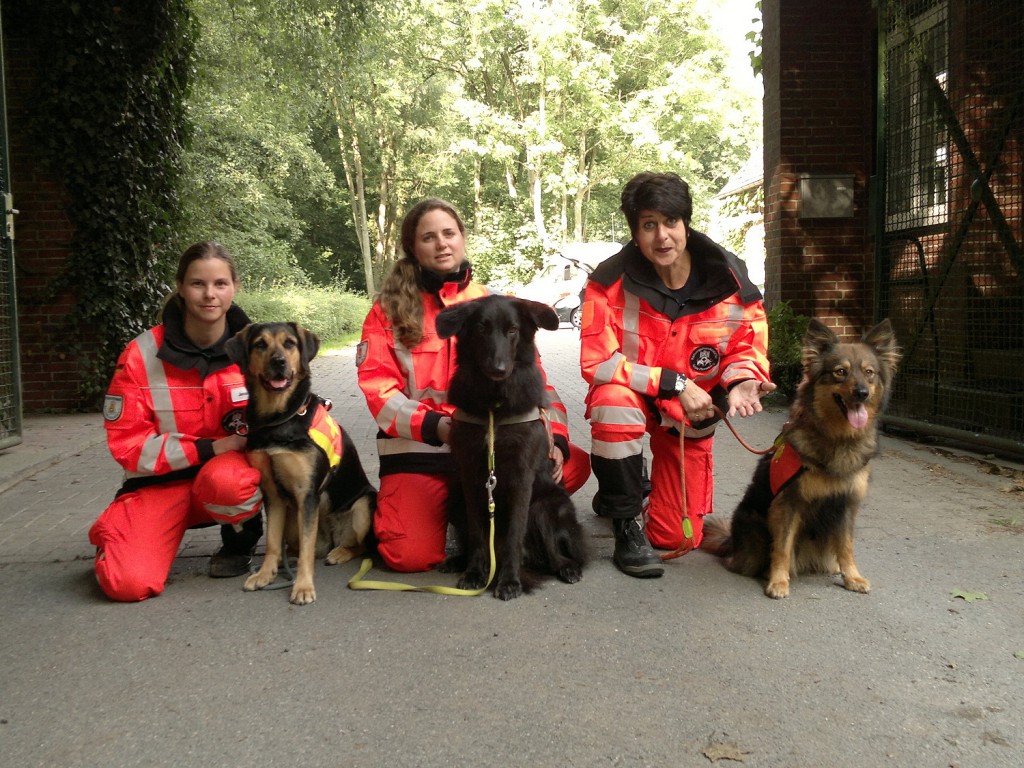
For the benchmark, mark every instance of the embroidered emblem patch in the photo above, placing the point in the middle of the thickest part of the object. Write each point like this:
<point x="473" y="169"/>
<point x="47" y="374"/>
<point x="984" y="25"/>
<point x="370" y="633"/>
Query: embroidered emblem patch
<point x="704" y="359"/>
<point x="113" y="405"/>
<point x="234" y="422"/>
<point x="239" y="395"/>
<point x="361" y="350"/>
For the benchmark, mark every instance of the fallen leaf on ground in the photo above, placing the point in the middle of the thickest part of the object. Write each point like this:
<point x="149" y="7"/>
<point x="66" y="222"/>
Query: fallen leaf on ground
<point x="725" y="750"/>
<point x="969" y="597"/>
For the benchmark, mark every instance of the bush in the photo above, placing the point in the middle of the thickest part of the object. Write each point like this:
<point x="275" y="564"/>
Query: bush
<point x="331" y="314"/>
<point x="785" y="335"/>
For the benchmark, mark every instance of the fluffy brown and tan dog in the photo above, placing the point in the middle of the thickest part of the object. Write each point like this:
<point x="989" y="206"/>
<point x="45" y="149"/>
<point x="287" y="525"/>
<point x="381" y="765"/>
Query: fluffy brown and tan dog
<point x="797" y="515"/>
<point x="314" y="487"/>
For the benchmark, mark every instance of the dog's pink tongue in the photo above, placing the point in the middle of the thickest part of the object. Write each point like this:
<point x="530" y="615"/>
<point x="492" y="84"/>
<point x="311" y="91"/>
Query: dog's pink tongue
<point x="279" y="383"/>
<point x="857" y="416"/>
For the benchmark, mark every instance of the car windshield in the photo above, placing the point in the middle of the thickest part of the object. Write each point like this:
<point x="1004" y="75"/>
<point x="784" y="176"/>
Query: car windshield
<point x="553" y="273"/>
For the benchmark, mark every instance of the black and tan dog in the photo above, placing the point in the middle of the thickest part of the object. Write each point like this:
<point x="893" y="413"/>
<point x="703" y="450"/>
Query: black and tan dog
<point x="797" y="515"/>
<point x="497" y="374"/>
<point x="316" y="493"/>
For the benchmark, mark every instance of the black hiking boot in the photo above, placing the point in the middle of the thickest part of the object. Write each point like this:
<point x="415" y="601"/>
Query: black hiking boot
<point x="634" y="555"/>
<point x="227" y="565"/>
<point x="235" y="556"/>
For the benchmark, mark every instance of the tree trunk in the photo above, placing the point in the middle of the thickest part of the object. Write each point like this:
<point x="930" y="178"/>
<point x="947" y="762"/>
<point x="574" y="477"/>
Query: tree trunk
<point x="477" y="193"/>
<point x="578" y="232"/>
<point x="356" y="185"/>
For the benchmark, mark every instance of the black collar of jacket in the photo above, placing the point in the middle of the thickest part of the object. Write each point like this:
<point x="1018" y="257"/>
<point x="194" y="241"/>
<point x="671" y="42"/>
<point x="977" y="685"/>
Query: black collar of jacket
<point x="179" y="350"/>
<point x="432" y="282"/>
<point x="721" y="274"/>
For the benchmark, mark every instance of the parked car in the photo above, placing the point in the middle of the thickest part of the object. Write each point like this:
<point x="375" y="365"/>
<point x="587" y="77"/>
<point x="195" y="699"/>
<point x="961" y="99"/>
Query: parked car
<point x="562" y="279"/>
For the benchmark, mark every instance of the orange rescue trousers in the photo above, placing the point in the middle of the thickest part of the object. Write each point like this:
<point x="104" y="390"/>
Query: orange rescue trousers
<point x="138" y="536"/>
<point x="411" y="522"/>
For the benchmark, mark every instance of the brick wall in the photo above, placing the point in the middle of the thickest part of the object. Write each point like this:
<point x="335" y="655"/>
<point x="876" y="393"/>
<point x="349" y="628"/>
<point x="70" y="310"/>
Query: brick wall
<point x="49" y="371"/>
<point x="819" y="119"/>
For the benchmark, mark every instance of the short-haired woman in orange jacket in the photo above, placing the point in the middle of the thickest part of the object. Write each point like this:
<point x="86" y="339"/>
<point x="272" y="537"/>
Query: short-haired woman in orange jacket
<point x="671" y="327"/>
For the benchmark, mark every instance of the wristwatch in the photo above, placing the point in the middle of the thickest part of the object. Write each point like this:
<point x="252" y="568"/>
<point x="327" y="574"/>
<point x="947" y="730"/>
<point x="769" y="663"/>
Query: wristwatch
<point x="680" y="384"/>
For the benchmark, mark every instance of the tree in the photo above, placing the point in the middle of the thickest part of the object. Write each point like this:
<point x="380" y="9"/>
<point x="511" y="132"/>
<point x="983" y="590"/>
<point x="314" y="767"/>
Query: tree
<point x="254" y="176"/>
<point x="528" y="115"/>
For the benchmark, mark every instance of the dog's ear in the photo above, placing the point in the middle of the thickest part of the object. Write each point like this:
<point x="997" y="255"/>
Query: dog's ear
<point x="882" y="338"/>
<point x="310" y="343"/>
<point x="237" y="347"/>
<point x="817" y="340"/>
<point x="541" y="315"/>
<point x="452" y="320"/>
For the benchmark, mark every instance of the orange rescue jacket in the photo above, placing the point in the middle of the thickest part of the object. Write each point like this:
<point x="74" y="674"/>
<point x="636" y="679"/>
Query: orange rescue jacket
<point x="161" y="419"/>
<point x="407" y="389"/>
<point x="635" y="331"/>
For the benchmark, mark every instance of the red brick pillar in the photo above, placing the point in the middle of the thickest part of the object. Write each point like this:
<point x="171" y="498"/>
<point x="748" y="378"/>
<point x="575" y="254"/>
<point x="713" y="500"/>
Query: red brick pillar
<point x="819" y="124"/>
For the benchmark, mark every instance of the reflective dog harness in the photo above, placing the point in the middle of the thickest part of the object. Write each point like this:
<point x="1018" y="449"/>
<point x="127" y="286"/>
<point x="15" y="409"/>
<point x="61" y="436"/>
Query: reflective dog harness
<point x="325" y="432"/>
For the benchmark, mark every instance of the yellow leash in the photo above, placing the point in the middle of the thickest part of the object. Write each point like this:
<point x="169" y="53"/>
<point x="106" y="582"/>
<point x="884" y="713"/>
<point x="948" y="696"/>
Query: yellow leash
<point x="357" y="581"/>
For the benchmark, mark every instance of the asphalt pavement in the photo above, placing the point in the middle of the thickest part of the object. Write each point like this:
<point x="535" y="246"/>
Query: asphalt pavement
<point x="692" y="669"/>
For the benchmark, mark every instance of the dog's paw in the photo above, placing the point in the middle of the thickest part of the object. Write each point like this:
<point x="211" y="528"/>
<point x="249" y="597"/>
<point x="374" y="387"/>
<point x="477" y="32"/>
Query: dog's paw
<point x="777" y="589"/>
<point x="857" y="584"/>
<point x="340" y="555"/>
<point x="302" y="594"/>
<point x="260" y="579"/>
<point x="453" y="564"/>
<point x="570" y="574"/>
<point x="508" y="590"/>
<point x="472" y="580"/>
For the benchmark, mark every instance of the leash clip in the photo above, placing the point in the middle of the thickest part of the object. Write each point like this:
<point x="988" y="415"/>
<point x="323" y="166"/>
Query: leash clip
<point x="492" y="481"/>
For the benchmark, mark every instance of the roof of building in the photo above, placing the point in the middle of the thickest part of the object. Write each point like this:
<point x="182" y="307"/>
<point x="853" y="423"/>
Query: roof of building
<point x="749" y="176"/>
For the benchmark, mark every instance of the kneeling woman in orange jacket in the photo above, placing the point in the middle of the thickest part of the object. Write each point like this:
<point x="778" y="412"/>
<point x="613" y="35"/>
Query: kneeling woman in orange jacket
<point x="171" y="415"/>
<point x="404" y="372"/>
<point x="672" y="327"/>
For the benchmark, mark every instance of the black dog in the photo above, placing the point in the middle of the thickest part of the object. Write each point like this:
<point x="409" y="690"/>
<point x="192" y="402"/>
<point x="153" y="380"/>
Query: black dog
<point x="316" y="492"/>
<point x="497" y="373"/>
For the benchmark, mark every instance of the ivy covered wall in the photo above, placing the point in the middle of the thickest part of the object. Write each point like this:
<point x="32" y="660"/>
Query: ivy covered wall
<point x="95" y="95"/>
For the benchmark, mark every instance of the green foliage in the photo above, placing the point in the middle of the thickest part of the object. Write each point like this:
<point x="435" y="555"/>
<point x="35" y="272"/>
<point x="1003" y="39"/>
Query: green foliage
<point x="739" y="213"/>
<point x="110" y="121"/>
<point x="503" y="251"/>
<point x="786" y="331"/>
<point x="331" y="314"/>
<point x="254" y="178"/>
<point x="756" y="39"/>
<point x="528" y="116"/>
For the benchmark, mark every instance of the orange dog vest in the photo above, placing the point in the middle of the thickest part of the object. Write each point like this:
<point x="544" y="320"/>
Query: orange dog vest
<point x="786" y="465"/>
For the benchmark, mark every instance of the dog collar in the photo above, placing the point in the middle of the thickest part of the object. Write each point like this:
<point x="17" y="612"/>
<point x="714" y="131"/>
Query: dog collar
<point x="531" y="415"/>
<point x="243" y="428"/>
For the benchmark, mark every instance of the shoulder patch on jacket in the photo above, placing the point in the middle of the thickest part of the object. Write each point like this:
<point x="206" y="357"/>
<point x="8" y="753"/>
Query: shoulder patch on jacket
<point x="361" y="351"/>
<point x="113" y="407"/>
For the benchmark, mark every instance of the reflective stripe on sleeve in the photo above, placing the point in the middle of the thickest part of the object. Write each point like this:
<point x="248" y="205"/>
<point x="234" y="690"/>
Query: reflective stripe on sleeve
<point x="617" y="450"/>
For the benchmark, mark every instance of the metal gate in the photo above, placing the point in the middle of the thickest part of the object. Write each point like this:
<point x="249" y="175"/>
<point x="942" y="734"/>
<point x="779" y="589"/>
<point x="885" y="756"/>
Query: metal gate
<point x="10" y="379"/>
<point x="951" y="271"/>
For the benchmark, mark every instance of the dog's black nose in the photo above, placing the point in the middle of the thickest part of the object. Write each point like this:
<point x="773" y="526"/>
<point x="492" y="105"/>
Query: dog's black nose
<point x="861" y="393"/>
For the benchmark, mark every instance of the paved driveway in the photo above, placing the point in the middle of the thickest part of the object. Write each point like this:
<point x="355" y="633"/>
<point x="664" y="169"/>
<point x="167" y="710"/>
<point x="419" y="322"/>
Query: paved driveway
<point x="693" y="668"/>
